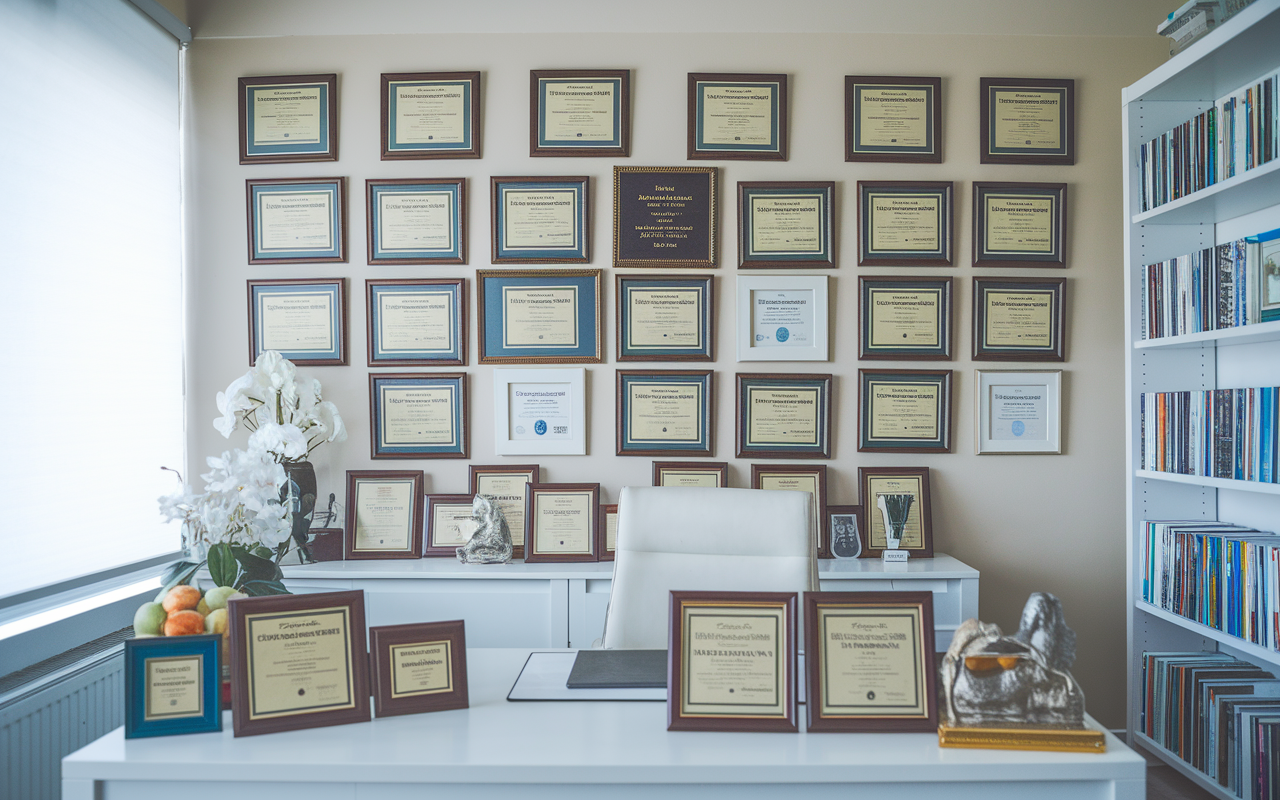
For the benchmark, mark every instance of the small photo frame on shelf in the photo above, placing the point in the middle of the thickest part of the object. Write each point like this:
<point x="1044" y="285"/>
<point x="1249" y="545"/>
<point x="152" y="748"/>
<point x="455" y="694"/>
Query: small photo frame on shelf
<point x="843" y="531"/>
<point x="1018" y="411"/>
<point x="1019" y="319"/>
<point x="288" y="118"/>
<point x="416" y="322"/>
<point x="540" y="220"/>
<point x="506" y="485"/>
<point x="782" y="318"/>
<point x="811" y="478"/>
<point x="904" y="319"/>
<point x="663" y="318"/>
<point x="904" y="411"/>
<point x="418" y="415"/>
<point x="608" y="531"/>
<point x="303" y="319"/>
<point x="297" y="220"/>
<point x="449" y="524"/>
<point x="665" y="217"/>
<point x="785" y="224"/>
<point x="172" y="685"/>
<point x="740" y="116"/>
<point x="905" y="223"/>
<point x="662" y="412"/>
<point x="540" y="316"/>
<point x="384" y="514"/>
<point x="904" y="482"/>
<point x="893" y="119"/>
<point x="430" y="115"/>
<point x="1028" y="121"/>
<point x="1265" y="252"/>
<point x="580" y="112"/>
<point x="562" y="522"/>
<point x="1019" y="224"/>
<point x="710" y="474"/>
<point x="418" y="668"/>
<point x="783" y="415"/>
<point x="540" y="412"/>
<point x="416" y="221"/>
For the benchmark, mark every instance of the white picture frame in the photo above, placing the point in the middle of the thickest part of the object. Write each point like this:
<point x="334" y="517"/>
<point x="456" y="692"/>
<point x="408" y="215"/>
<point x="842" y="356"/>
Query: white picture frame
<point x="782" y="318"/>
<point x="531" y="425"/>
<point x="1019" y="412"/>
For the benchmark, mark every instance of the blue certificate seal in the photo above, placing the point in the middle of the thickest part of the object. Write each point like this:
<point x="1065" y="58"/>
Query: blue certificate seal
<point x="782" y="334"/>
<point x="539" y="427"/>
<point x="1019" y="427"/>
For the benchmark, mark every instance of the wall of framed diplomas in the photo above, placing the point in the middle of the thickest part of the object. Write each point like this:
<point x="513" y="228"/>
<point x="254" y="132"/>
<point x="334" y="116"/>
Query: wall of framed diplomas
<point x="795" y="296"/>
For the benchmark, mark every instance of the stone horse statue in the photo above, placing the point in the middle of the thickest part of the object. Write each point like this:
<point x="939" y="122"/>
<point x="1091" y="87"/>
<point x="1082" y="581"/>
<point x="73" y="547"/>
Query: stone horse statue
<point x="491" y="543"/>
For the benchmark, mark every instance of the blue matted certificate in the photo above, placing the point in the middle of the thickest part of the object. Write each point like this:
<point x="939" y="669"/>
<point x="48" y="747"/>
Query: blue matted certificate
<point x="785" y="224"/>
<point x="303" y="320"/>
<point x="288" y="118"/>
<point x="416" y="221"/>
<point x="580" y="112"/>
<point x="296" y="220"/>
<point x="416" y="322"/>
<point x="430" y="115"/>
<point x="665" y="319"/>
<point x="539" y="316"/>
<point x="172" y="685"/>
<point x="539" y="220"/>
<point x="418" y="416"/>
<point x="665" y="412"/>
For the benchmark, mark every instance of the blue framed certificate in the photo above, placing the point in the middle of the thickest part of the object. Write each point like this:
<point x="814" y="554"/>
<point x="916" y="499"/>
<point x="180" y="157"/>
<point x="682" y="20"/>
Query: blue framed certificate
<point x="665" y="412"/>
<point x="416" y="322"/>
<point x="665" y="319"/>
<point x="574" y="112"/>
<point x="737" y="116"/>
<point x="539" y="220"/>
<point x="172" y="685"/>
<point x="304" y="320"/>
<point x="785" y="224"/>
<point x="539" y="316"/>
<point x="288" y="118"/>
<point x="294" y="221"/>
<point x="905" y="223"/>
<point x="419" y="221"/>
<point x="430" y="115"/>
<point x="418" y="415"/>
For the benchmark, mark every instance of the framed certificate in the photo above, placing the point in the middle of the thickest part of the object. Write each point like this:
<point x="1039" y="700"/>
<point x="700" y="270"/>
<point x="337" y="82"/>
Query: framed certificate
<point x="710" y="474"/>
<point x="418" y="415"/>
<point x="665" y="319"/>
<point x="416" y="221"/>
<point x="904" y="411"/>
<point x="430" y="115"/>
<point x="785" y="224"/>
<point x="1028" y="121"/>
<point x="783" y="416"/>
<point x="737" y="116"/>
<point x="902" y="319"/>
<point x="580" y="112"/>
<point x="664" y="217"/>
<point x="844" y="539"/>
<point x="782" y="318"/>
<point x="540" y="412"/>
<point x="1018" y="412"/>
<point x="539" y="220"/>
<point x="304" y="320"/>
<point x="505" y="485"/>
<point x="449" y="524"/>
<point x="1019" y="319"/>
<point x="297" y="220"/>
<point x="288" y="118"/>
<point x="419" y="667"/>
<point x="298" y="661"/>
<point x="608" y="531"/>
<point x="910" y="485"/>
<point x="1019" y="224"/>
<point x="811" y="478"/>
<point x="870" y="662"/>
<point x="549" y="316"/>
<point x="905" y="223"/>
<point x="665" y="412"/>
<point x="561" y="522"/>
<point x="172" y="685"/>
<point x="384" y="514"/>
<point x="718" y="683"/>
<point x="893" y="119"/>
<point x="416" y="322"/>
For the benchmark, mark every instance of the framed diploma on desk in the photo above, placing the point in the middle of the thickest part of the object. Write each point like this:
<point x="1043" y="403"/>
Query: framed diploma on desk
<point x="664" y="217"/>
<point x="297" y="220"/>
<point x="430" y="115"/>
<point x="505" y="485"/>
<point x="893" y="119"/>
<point x="539" y="220"/>
<point x="1019" y="224"/>
<point x="665" y="319"/>
<point x="418" y="415"/>
<point x="905" y="224"/>
<point x="783" y="416"/>
<point x="449" y="524"/>
<point x="737" y="116"/>
<point x="608" y="531"/>
<point x="904" y="411"/>
<point x="665" y="412"/>
<point x="785" y="224"/>
<point x="561" y="522"/>
<point x="288" y="118"/>
<point x="416" y="322"/>
<point x="732" y="662"/>
<point x="811" y="478"/>
<point x="305" y="320"/>
<point x="711" y="474"/>
<point x="172" y="685"/>
<point x="539" y="316"/>
<point x="782" y="318"/>
<point x="540" y="412"/>
<point x="904" y="318"/>
<point x="1019" y="319"/>
<point x="1028" y="121"/>
<point x="1018" y="412"/>
<point x="580" y="112"/>
<point x="418" y="667"/>
<point x="917" y="529"/>
<point x="416" y="221"/>
<point x="384" y="514"/>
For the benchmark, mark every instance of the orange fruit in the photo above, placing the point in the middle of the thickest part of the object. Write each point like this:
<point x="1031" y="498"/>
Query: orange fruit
<point x="184" y="623"/>
<point x="181" y="598"/>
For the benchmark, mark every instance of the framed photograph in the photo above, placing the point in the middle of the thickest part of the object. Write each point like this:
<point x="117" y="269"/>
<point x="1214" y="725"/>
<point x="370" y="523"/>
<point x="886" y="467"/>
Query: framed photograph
<point x="172" y="685"/>
<point x="782" y="318"/>
<point x="608" y="531"/>
<point x="449" y="524"/>
<point x="384" y="514"/>
<point x="303" y="319"/>
<point x="418" y="415"/>
<point x="1018" y="411"/>
<point x="785" y="224"/>
<point x="905" y="223"/>
<point x="1028" y="121"/>
<point x="870" y="689"/>
<point x="664" y="217"/>
<point x="905" y="491"/>
<point x="580" y="112"/>
<point x="843" y="531"/>
<point x="811" y="478"/>
<point x="737" y="115"/>
<point x="1264" y="252"/>
<point x="1019" y="224"/>
<point x="288" y="118"/>
<point x="505" y="485"/>
<point x="665" y="412"/>
<point x="665" y="319"/>
<point x="416" y="221"/>
<point x="297" y="220"/>
<point x="418" y="668"/>
<point x="297" y="661"/>
<point x="561" y="522"/>
<point x="893" y="119"/>
<point x="904" y="319"/>
<point x="717" y="685"/>
<point x="540" y="412"/>
<point x="713" y="474"/>
<point x="430" y="115"/>
<point x="1019" y="319"/>
<point x="544" y="316"/>
<point x="783" y="415"/>
<point x="416" y="322"/>
<point x="540" y="220"/>
<point x="904" y="411"/>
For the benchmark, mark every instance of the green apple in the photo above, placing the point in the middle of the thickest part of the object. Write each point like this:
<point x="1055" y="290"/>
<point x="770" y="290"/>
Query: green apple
<point x="216" y="597"/>
<point x="149" y="619"/>
<point x="216" y="622"/>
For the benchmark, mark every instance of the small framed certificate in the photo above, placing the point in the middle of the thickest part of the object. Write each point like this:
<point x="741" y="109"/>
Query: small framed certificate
<point x="710" y="474"/>
<point x="870" y="662"/>
<point x="811" y="478"/>
<point x="449" y="524"/>
<point x="172" y="685"/>
<point x="540" y="412"/>
<point x="416" y="221"/>
<point x="665" y="412"/>
<point x="580" y="112"/>
<point x="905" y="223"/>
<point x="548" y="316"/>
<point x="893" y="119"/>
<point x="785" y="224"/>
<point x="418" y="668"/>
<point x="1019" y="224"/>
<point x="288" y="118"/>
<point x="561" y="522"/>
<point x="297" y="220"/>
<point x="902" y="319"/>
<point x="737" y="116"/>
<point x="418" y="415"/>
<point x="298" y="661"/>
<point x="718" y="683"/>
<point x="904" y="411"/>
<point x="843" y="531"/>
<point x="608" y="531"/>
<point x="910" y="510"/>
<point x="430" y="115"/>
<point x="304" y="320"/>
<point x="783" y="416"/>
<point x="384" y="514"/>
<point x="416" y="322"/>
<point x="665" y="217"/>
<point x="1019" y="319"/>
<point x="1018" y="412"/>
<point x="505" y="485"/>
<point x="539" y="220"/>
<point x="665" y="319"/>
<point x="782" y="318"/>
<point x="1028" y="121"/>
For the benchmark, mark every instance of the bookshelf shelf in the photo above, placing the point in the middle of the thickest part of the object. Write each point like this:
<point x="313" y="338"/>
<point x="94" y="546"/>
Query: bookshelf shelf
<point x="1245" y="334"/>
<point x="1216" y="483"/>
<point x="1234" y="642"/>
<point x="1199" y="778"/>
<point x="1234" y="197"/>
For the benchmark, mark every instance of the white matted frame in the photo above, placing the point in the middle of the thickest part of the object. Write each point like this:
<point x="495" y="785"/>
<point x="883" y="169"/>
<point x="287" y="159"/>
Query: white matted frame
<point x="793" y="318"/>
<point x="530" y="424"/>
<point x="1018" y="412"/>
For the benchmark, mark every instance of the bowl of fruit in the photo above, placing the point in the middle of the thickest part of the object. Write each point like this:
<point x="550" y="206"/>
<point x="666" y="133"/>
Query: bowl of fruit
<point x="187" y="611"/>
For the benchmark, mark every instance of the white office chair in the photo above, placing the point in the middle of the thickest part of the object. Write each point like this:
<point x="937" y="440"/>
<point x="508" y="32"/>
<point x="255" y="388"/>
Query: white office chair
<point x="702" y="539"/>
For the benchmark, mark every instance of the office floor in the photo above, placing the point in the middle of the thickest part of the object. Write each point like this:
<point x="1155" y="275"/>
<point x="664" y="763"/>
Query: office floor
<point x="1166" y="783"/>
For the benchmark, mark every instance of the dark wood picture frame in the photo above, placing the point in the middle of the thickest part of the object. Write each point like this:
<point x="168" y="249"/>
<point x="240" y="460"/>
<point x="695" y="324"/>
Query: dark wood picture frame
<point x="720" y="468"/>
<point x="1055" y="287"/>
<point x="843" y="511"/>
<point x="602" y="546"/>
<point x="623" y="118"/>
<point x="705" y="284"/>
<point x="330" y="120"/>
<point x="340" y="227"/>
<point x="869" y="285"/>
<point x="473" y="117"/>
<point x="1067" y="154"/>
<point x="983" y="256"/>
<point x="534" y="471"/>
<point x="531" y="554"/>
<point x="779" y="150"/>
<point x="460" y="329"/>
<point x="497" y="242"/>
<point x="865" y="476"/>
<point x="483" y="276"/>
<point x="383" y="638"/>
<point x="890" y="154"/>
<point x="349" y="551"/>
<point x="944" y="256"/>
<point x="819" y="474"/>
<point x="826" y="190"/>
<point x="342" y="328"/>
<point x="636" y="226"/>
<point x="746" y="380"/>
<point x="429" y="547"/>
<point x="462" y="400"/>
<point x="459" y="190"/>
<point x="706" y="414"/>
<point x="939" y="377"/>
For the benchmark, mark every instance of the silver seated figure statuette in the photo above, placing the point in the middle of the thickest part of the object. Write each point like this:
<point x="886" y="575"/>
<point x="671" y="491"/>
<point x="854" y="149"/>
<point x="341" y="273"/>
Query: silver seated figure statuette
<point x="491" y="543"/>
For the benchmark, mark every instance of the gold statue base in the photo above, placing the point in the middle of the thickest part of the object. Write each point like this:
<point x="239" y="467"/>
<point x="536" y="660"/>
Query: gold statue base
<point x="1055" y="740"/>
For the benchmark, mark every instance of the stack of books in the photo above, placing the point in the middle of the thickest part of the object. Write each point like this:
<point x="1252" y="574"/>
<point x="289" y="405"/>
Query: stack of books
<point x="1214" y="433"/>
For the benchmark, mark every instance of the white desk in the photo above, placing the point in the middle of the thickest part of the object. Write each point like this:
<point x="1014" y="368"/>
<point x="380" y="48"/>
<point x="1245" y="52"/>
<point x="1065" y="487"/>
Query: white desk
<point x="575" y="751"/>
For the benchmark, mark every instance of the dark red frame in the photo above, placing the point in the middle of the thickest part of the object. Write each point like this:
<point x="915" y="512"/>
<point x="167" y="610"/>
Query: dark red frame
<point x="381" y="640"/>
<point x="415" y="515"/>
<point x="721" y="467"/>
<point x="593" y="535"/>
<point x="868" y="508"/>
<point x="430" y="549"/>
<point x="473" y="481"/>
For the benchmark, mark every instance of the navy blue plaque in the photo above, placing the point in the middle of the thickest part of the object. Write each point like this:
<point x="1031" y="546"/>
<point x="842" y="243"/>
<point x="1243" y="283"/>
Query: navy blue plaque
<point x="664" y="217"/>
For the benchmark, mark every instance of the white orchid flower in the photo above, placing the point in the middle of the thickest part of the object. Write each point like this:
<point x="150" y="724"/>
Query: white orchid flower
<point x="285" y="442"/>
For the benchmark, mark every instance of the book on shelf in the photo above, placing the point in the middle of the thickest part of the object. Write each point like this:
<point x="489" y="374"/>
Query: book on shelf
<point x="1212" y="433"/>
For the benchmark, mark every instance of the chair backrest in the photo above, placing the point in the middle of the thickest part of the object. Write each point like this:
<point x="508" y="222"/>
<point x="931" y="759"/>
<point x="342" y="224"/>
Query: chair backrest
<point x="703" y="539"/>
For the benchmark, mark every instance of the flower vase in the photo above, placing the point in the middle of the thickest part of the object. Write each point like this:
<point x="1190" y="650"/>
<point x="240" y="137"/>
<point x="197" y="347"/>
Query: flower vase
<point x="299" y="496"/>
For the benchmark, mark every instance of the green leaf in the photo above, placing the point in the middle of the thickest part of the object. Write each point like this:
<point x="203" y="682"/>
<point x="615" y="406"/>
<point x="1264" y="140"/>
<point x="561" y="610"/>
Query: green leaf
<point x="257" y="568"/>
<point x="222" y="565"/>
<point x="262" y="551"/>
<point x="263" y="588"/>
<point x="178" y="573"/>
